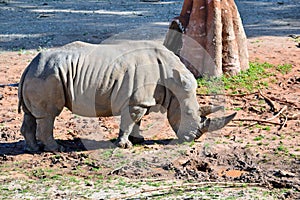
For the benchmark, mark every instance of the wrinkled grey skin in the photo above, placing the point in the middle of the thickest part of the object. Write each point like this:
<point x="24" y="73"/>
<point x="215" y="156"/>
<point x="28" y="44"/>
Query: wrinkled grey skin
<point x="125" y="79"/>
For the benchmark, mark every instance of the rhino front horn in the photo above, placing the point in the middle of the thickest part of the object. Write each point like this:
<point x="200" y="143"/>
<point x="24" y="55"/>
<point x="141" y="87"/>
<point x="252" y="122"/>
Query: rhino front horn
<point x="206" y="110"/>
<point x="216" y="123"/>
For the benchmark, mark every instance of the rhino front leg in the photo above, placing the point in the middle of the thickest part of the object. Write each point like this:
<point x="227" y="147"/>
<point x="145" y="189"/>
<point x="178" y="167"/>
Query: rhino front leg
<point x="28" y="130"/>
<point x="135" y="137"/>
<point x="126" y="128"/>
<point x="45" y="134"/>
<point x="130" y="119"/>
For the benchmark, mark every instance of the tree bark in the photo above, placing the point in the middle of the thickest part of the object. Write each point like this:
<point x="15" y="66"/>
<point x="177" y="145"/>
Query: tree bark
<point x="209" y="38"/>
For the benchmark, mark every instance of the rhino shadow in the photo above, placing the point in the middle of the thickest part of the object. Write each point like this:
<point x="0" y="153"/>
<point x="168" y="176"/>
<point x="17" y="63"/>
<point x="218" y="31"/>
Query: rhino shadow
<point x="74" y="145"/>
<point x="110" y="144"/>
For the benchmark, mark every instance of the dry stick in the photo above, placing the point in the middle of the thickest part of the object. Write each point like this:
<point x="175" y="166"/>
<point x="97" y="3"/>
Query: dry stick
<point x="231" y="95"/>
<point x="286" y="118"/>
<point x="147" y="180"/>
<point x="267" y="120"/>
<point x="115" y="170"/>
<point x="294" y="116"/>
<point x="268" y="101"/>
<point x="257" y="121"/>
<point x="184" y="185"/>
<point x="285" y="101"/>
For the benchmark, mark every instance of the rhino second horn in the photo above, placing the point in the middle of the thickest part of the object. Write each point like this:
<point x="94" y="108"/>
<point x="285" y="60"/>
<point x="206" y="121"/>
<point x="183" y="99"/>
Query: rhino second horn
<point x="206" y="110"/>
<point x="214" y="124"/>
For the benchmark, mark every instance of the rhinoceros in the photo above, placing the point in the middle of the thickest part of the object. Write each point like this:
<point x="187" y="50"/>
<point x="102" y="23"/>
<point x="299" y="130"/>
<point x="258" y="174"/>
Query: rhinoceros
<point x="128" y="79"/>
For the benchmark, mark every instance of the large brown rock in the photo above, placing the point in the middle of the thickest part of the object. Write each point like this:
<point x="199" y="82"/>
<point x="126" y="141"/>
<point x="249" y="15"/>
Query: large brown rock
<point x="209" y="38"/>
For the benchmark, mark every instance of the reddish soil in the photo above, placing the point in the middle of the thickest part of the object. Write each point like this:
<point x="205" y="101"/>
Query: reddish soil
<point x="263" y="153"/>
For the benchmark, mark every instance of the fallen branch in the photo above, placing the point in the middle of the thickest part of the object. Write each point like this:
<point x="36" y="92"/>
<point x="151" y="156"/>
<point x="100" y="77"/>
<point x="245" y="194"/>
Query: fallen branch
<point x="230" y="95"/>
<point x="283" y="124"/>
<point x="294" y="116"/>
<point x="115" y="170"/>
<point x="285" y="102"/>
<point x="269" y="119"/>
<point x="188" y="185"/>
<point x="148" y="180"/>
<point x="257" y="120"/>
<point x="266" y="120"/>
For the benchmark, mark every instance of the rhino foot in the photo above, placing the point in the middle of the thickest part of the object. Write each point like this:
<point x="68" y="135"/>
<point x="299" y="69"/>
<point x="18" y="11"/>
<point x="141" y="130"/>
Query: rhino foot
<point x="124" y="143"/>
<point x="186" y="138"/>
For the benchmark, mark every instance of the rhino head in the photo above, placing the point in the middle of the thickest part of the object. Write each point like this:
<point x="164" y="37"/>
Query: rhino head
<point x="190" y="125"/>
<point x="188" y="120"/>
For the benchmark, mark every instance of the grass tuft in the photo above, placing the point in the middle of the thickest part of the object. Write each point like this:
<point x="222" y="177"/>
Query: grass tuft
<point x="284" y="69"/>
<point x="256" y="77"/>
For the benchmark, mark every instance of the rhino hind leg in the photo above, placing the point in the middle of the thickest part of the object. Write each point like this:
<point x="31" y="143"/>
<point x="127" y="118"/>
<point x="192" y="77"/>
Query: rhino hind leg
<point x="28" y="130"/>
<point x="130" y="118"/>
<point x="44" y="133"/>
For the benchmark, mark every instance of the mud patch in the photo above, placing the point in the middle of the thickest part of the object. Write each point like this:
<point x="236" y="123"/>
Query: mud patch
<point x="236" y="164"/>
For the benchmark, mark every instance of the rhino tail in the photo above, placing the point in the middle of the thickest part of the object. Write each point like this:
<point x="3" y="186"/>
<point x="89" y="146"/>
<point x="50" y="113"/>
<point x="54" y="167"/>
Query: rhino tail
<point x="20" y="90"/>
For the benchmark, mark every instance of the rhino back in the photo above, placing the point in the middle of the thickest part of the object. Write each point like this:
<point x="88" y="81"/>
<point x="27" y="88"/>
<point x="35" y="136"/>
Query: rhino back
<point x="99" y="80"/>
<point x="114" y="76"/>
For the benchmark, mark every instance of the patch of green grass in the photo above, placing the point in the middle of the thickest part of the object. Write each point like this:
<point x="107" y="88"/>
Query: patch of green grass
<point x="274" y="138"/>
<point x="154" y="184"/>
<point x="248" y="145"/>
<point x="250" y="79"/>
<point x="39" y="173"/>
<point x="238" y="109"/>
<point x="256" y="41"/>
<point x="210" y="85"/>
<point x="246" y="81"/>
<point x="119" y="154"/>
<point x="282" y="137"/>
<point x="282" y="148"/>
<point x="258" y="138"/>
<point x="192" y="143"/>
<point x="266" y="128"/>
<point x="56" y="177"/>
<point x="107" y="154"/>
<point x="284" y="69"/>
<point x="293" y="155"/>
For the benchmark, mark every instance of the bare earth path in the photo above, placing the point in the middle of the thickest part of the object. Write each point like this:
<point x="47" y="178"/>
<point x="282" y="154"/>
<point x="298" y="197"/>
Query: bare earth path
<point x="256" y="161"/>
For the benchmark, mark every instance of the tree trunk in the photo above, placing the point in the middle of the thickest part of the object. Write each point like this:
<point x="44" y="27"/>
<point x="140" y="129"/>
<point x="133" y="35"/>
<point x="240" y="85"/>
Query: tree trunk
<point x="209" y="38"/>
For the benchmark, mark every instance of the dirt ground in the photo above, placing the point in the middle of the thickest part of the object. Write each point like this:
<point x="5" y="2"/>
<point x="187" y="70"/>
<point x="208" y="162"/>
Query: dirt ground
<point x="246" y="159"/>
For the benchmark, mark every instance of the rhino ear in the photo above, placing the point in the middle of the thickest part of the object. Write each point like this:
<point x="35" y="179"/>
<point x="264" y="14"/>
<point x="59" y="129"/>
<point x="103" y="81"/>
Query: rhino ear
<point x="183" y="79"/>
